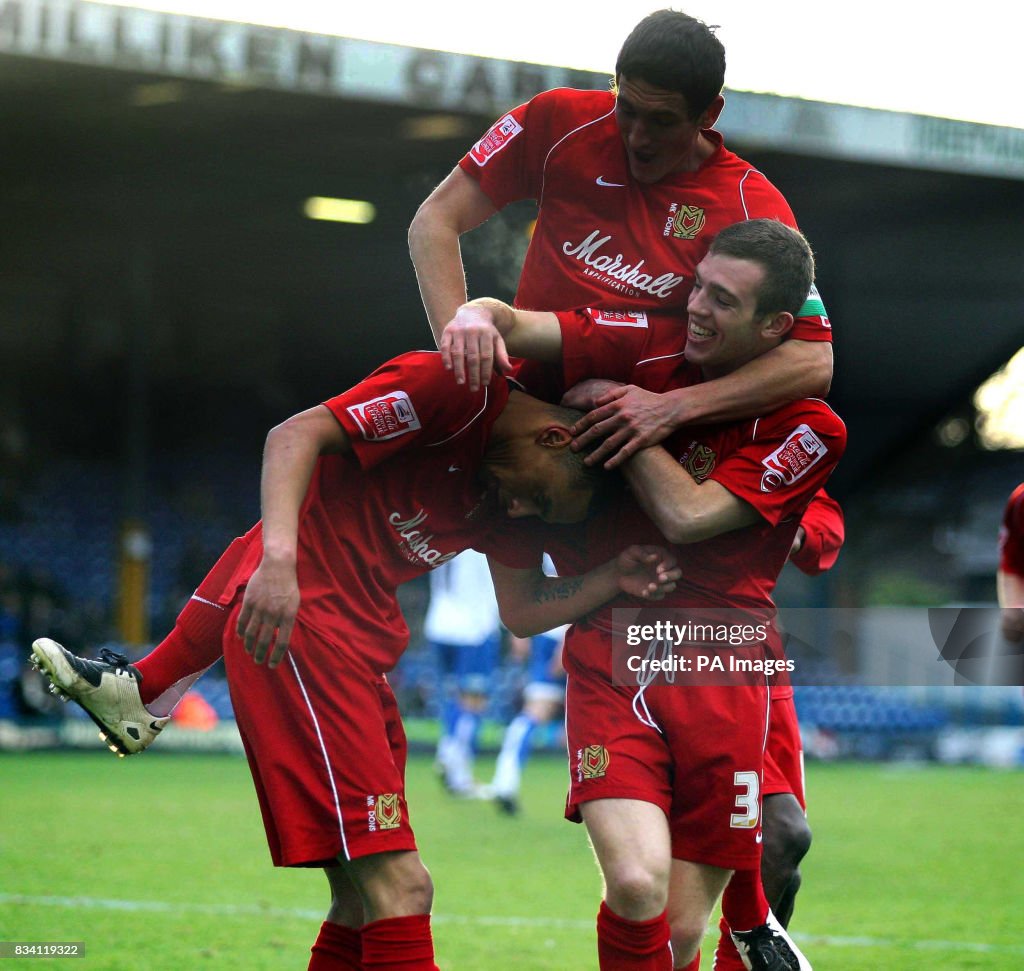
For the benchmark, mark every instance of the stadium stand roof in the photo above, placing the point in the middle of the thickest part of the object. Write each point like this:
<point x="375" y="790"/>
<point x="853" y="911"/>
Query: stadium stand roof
<point x="155" y="168"/>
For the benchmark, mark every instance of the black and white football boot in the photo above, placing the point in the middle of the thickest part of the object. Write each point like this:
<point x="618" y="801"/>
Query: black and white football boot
<point x="108" y="691"/>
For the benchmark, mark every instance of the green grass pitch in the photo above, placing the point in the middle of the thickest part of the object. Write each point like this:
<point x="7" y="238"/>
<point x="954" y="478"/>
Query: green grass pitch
<point x="159" y="863"/>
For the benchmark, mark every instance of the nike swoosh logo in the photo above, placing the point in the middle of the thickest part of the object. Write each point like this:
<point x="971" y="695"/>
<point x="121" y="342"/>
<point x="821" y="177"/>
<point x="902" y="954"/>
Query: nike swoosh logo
<point x="454" y="468"/>
<point x="611" y="185"/>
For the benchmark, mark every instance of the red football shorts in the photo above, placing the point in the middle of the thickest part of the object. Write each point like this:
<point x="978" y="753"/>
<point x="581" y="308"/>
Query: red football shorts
<point x="696" y="752"/>
<point x="326" y="749"/>
<point x="784" y="756"/>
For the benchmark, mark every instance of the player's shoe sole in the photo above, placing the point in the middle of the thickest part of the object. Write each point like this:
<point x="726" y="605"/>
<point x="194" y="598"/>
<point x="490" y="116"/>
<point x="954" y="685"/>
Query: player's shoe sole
<point x="107" y="690"/>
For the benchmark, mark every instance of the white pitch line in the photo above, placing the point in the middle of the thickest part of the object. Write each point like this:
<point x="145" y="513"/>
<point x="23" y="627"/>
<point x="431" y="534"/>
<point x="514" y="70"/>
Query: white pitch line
<point x="156" y="906"/>
<point x="255" y="910"/>
<point x="907" y="944"/>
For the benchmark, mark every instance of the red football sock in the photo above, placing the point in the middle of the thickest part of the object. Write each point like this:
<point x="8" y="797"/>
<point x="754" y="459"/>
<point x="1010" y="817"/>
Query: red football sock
<point x="632" y="945"/>
<point x="727" y="958"/>
<point x="195" y="643"/>
<point x="744" y="905"/>
<point x="399" y="944"/>
<point x="337" y="948"/>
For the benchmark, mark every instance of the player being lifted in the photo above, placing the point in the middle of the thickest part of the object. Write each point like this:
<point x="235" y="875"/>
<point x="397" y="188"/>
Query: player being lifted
<point x="359" y="494"/>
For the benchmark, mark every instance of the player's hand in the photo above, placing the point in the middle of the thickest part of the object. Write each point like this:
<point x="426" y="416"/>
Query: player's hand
<point x="798" y="541"/>
<point x="649" y="572"/>
<point x="628" y="419"/>
<point x="472" y="348"/>
<point x="269" y="608"/>
<point x="585" y="394"/>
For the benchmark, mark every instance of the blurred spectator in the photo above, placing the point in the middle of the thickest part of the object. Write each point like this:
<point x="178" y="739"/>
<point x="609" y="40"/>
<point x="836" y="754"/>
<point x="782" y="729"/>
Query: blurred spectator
<point x="543" y="701"/>
<point x="462" y="624"/>
<point x="195" y="712"/>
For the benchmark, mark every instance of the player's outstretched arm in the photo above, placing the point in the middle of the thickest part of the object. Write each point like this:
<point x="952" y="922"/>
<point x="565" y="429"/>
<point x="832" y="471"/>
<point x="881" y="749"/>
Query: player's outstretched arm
<point x="629" y="419"/>
<point x="456" y="206"/>
<point x="477" y="341"/>
<point x="271" y="600"/>
<point x="532" y="603"/>
<point x="793" y="370"/>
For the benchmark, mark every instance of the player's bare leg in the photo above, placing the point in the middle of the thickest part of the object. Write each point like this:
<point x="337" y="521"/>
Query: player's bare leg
<point x="339" y="945"/>
<point x="693" y="890"/>
<point x="396" y="893"/>
<point x="392" y="884"/>
<point x="346" y="902"/>
<point x="634" y="850"/>
<point x="787" y="838"/>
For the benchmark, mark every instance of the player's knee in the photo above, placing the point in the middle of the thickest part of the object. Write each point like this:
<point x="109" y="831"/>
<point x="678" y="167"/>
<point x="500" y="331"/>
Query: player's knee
<point x="688" y="932"/>
<point x="636" y="892"/>
<point x="414" y="890"/>
<point x="787" y="837"/>
<point x="394" y="885"/>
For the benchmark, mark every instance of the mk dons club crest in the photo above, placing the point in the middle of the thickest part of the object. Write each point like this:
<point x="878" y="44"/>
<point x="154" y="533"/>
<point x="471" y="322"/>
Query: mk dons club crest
<point x="594" y="761"/>
<point x="689" y="221"/>
<point x="700" y="462"/>
<point x="389" y="811"/>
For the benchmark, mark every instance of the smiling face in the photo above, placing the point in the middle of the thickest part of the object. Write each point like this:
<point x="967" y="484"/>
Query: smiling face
<point x="725" y="329"/>
<point x="657" y="130"/>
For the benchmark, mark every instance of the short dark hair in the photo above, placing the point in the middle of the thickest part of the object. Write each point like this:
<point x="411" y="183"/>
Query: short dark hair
<point x="604" y="484"/>
<point x="677" y="52"/>
<point x="782" y="251"/>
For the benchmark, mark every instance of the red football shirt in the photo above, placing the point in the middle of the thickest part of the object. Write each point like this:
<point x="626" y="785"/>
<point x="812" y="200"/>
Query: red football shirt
<point x="601" y="238"/>
<point x="1011" y="534"/>
<point x="406" y="499"/>
<point x="776" y="463"/>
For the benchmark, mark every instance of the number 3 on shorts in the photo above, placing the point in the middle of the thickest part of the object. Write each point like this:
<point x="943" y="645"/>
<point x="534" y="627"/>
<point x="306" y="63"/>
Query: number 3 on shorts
<point x="748" y="800"/>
